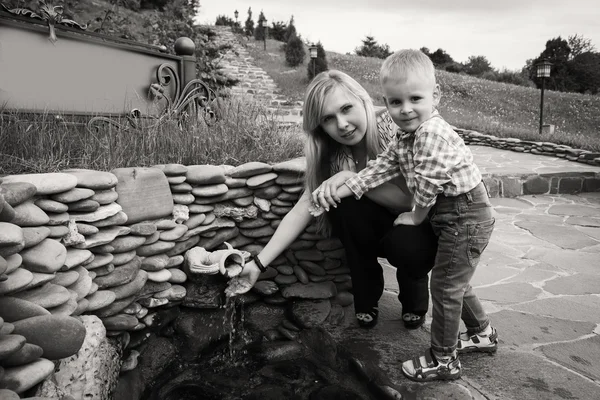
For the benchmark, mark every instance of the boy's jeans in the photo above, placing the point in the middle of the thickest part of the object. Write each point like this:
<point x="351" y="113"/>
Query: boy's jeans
<point x="463" y="225"/>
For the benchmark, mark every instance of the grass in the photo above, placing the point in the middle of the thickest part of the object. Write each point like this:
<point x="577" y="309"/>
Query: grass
<point x="488" y="107"/>
<point x="243" y="133"/>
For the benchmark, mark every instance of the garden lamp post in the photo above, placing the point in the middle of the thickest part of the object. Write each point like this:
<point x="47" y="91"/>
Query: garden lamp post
<point x="313" y="56"/>
<point x="543" y="71"/>
<point x="265" y="32"/>
<point x="236" y="13"/>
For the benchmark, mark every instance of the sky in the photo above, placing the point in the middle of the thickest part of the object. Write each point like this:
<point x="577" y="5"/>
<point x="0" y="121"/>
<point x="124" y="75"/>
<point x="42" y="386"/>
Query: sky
<point x="506" y="32"/>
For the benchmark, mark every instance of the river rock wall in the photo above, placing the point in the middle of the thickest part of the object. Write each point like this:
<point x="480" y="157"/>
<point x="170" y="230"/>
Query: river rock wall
<point x="80" y="247"/>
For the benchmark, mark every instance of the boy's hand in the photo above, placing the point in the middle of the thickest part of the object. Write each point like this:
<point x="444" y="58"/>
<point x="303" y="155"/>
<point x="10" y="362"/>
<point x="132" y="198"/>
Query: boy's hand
<point x="407" y="218"/>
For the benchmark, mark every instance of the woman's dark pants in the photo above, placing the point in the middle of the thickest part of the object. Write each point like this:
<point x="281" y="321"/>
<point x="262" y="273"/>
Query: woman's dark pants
<point x="366" y="230"/>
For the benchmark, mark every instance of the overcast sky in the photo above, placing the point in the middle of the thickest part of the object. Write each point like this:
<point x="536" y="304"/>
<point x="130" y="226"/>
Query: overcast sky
<point x="507" y="32"/>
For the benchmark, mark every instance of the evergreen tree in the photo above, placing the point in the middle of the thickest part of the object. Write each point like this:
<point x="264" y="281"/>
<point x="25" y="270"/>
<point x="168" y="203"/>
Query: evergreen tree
<point x="249" y="26"/>
<point x="261" y="29"/>
<point x="319" y="64"/>
<point x="294" y="51"/>
<point x="370" y="48"/>
<point x="290" y="31"/>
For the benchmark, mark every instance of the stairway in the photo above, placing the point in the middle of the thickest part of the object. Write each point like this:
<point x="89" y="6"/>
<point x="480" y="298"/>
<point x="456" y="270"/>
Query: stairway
<point x="254" y="81"/>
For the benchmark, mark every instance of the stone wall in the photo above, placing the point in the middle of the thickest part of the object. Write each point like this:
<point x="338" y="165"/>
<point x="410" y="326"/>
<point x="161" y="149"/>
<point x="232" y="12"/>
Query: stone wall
<point x="80" y="245"/>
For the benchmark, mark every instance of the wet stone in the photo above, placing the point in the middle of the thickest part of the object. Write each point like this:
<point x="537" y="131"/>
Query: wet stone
<point x="580" y="355"/>
<point x="316" y="291"/>
<point x="310" y="314"/>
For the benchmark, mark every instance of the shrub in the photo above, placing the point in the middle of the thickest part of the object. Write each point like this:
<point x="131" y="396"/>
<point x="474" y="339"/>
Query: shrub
<point x="290" y="31"/>
<point x="319" y="64"/>
<point x="294" y="51"/>
<point x="260" y="31"/>
<point x="455" y="67"/>
<point x="277" y="31"/>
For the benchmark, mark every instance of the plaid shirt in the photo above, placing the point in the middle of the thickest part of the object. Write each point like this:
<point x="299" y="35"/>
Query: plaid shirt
<point x="433" y="160"/>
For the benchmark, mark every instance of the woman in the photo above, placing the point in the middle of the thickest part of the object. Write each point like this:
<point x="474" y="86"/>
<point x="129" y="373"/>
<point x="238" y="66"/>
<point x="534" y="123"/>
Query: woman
<point x="344" y="132"/>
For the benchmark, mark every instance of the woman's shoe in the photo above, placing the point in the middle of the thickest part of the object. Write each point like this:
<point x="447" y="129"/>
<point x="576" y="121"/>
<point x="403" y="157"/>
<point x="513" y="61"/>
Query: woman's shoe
<point x="435" y="369"/>
<point x="412" y="321"/>
<point x="368" y="319"/>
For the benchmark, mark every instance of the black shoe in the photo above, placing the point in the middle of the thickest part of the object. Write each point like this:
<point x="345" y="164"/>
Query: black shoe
<point x="367" y="319"/>
<point x="412" y="321"/>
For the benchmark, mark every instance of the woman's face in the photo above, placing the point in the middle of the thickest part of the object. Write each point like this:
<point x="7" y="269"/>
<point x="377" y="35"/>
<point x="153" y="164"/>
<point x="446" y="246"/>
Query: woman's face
<point x="344" y="117"/>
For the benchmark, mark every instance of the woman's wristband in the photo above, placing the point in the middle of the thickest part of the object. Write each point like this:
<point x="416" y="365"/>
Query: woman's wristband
<point x="258" y="263"/>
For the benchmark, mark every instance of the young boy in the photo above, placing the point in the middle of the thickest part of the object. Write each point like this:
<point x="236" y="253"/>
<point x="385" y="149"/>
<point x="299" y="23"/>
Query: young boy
<point x="447" y="188"/>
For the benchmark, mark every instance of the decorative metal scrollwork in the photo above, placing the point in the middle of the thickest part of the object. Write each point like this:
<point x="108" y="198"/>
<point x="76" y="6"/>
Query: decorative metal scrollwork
<point x="193" y="101"/>
<point x="52" y="15"/>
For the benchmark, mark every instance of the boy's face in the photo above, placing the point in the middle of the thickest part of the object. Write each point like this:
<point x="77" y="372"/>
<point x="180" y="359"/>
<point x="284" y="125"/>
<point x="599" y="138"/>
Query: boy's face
<point x="410" y="102"/>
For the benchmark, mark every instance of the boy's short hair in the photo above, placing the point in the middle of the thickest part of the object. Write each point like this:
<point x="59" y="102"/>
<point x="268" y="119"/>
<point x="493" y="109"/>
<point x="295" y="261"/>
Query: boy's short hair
<point x="401" y="63"/>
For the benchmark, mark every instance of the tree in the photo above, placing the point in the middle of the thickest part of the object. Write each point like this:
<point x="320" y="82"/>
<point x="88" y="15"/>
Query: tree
<point x="370" y="48"/>
<point x="259" y="34"/>
<point x="249" y="25"/>
<point x="584" y="70"/>
<point x="224" y="20"/>
<point x="579" y="45"/>
<point x="277" y="31"/>
<point x="557" y="52"/>
<point x="477" y="65"/>
<point x="440" y="58"/>
<point x="425" y="51"/>
<point x="319" y="63"/>
<point x="290" y="31"/>
<point x="294" y="51"/>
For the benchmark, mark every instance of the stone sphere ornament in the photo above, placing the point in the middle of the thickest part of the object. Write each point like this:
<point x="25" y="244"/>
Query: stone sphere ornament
<point x="184" y="46"/>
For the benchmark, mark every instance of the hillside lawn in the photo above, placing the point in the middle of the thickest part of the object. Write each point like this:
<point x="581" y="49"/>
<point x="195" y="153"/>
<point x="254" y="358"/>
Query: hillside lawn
<point x="488" y="107"/>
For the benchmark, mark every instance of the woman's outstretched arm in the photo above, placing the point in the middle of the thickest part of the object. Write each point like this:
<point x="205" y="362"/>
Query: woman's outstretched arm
<point x="291" y="226"/>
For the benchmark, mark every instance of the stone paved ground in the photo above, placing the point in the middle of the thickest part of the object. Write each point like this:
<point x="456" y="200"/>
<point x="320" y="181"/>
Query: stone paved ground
<point x="539" y="280"/>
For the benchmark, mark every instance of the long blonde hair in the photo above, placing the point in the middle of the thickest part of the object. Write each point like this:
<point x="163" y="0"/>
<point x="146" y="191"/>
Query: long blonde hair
<point x="320" y="148"/>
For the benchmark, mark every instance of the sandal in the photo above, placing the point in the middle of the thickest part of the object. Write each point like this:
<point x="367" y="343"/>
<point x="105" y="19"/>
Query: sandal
<point x="433" y="370"/>
<point x="368" y="319"/>
<point x="412" y="321"/>
<point x="480" y="343"/>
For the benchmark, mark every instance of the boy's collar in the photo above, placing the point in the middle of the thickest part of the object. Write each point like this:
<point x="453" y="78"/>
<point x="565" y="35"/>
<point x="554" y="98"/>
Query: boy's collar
<point x="400" y="134"/>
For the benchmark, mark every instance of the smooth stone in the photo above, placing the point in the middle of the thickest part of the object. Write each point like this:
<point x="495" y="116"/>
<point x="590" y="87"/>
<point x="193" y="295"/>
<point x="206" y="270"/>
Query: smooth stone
<point x="344" y="299"/>
<point x="120" y="322"/>
<point x="38" y="280"/>
<point x="174" y="234"/>
<point x="250" y="169"/>
<point x="155" y="248"/>
<point x="311" y="314"/>
<point x="82" y="306"/>
<point x="104" y="236"/>
<point x="104" y="197"/>
<point x="152" y="238"/>
<point x="85" y="205"/>
<point x="15" y="309"/>
<point x="28" y="214"/>
<point x="155" y="263"/>
<point x="210" y="190"/>
<point x="296" y="165"/>
<point x="73" y="195"/>
<point x="268" y="192"/>
<point x="66" y="278"/>
<point x="312" y="268"/>
<point x="47" y="296"/>
<point x="3" y="265"/>
<point x="177" y="276"/>
<point x="121" y="275"/>
<point x="311" y="291"/>
<point x="262" y="179"/>
<point x="53" y="206"/>
<point x="10" y="234"/>
<point x="104" y="270"/>
<point x="127" y="243"/>
<point x="143" y="228"/>
<point x="183" y="198"/>
<point x="175" y="180"/>
<point x="91" y="179"/>
<point x="200" y="208"/>
<point x="174" y="169"/>
<point x="159" y="276"/>
<point x="67" y="308"/>
<point x="6" y="394"/>
<point x="25" y="355"/>
<point x="9" y="344"/>
<point x="175" y="261"/>
<point x="24" y="377"/>
<point x="101" y="213"/>
<point x="266" y="287"/>
<point x="48" y="256"/>
<point x="119" y="218"/>
<point x="289" y="179"/>
<point x="144" y="193"/>
<point x="115" y="307"/>
<point x="243" y="201"/>
<point x="83" y="285"/>
<point x="58" y="335"/>
<point x="165" y="224"/>
<point x="58" y="231"/>
<point x="174" y="293"/>
<point x="195" y="220"/>
<point x="204" y="174"/>
<point x="15" y="281"/>
<point x="6" y="329"/>
<point x="13" y="262"/>
<point x="16" y="193"/>
<point x="100" y="260"/>
<point x="7" y="212"/>
<point x="100" y="299"/>
<point x="131" y="288"/>
<point x="76" y="257"/>
<point x="48" y="183"/>
<point x="123" y="258"/>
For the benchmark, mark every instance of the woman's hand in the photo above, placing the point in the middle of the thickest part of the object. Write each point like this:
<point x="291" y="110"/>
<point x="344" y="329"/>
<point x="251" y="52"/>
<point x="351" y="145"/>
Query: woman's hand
<point x="244" y="281"/>
<point x="407" y="218"/>
<point x="326" y="194"/>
